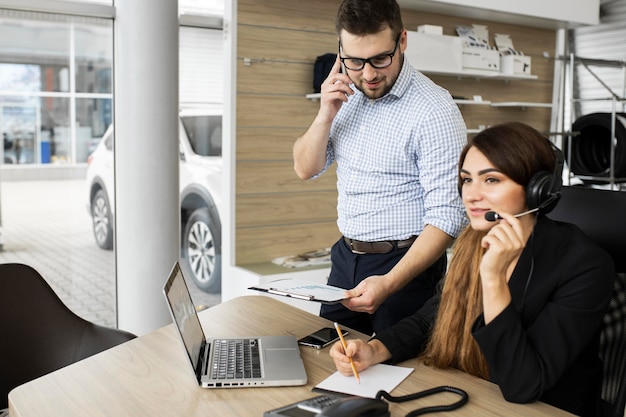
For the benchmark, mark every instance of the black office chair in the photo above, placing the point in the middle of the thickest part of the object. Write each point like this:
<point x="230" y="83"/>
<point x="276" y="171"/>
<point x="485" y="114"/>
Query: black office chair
<point x="601" y="214"/>
<point x="39" y="333"/>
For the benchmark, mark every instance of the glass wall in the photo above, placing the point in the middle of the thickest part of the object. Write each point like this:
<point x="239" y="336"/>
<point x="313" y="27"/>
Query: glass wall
<point x="55" y="86"/>
<point x="56" y="103"/>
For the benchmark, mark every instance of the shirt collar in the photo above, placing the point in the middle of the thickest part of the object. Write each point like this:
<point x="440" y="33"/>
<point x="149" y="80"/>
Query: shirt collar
<point x="403" y="81"/>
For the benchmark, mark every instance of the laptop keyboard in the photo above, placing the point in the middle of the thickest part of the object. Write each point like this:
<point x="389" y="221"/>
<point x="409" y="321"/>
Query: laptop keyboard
<point x="236" y="359"/>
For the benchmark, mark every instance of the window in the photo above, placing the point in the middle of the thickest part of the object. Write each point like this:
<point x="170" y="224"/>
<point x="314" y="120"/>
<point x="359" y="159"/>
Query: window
<point x="55" y="86"/>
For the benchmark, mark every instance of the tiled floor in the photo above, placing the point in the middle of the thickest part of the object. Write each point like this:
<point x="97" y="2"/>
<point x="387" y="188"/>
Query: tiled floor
<point x="45" y="224"/>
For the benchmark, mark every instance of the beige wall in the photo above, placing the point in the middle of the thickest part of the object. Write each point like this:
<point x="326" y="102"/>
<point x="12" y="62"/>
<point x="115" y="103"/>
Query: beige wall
<point x="276" y="213"/>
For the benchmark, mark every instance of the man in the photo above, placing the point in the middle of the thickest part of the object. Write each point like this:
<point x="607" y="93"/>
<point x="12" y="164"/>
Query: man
<point x="396" y="137"/>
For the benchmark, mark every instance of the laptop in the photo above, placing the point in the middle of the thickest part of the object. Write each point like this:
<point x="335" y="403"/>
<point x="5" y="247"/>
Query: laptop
<point x="269" y="360"/>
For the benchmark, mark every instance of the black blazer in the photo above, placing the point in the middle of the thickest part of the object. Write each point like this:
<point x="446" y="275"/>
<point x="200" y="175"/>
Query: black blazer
<point x="544" y="345"/>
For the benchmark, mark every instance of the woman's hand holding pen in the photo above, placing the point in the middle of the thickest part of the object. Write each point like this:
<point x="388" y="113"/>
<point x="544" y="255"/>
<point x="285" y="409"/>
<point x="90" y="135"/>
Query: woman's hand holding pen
<point x="363" y="354"/>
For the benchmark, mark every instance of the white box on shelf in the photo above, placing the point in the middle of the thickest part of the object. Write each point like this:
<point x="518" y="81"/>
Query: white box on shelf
<point x="480" y="59"/>
<point x="515" y="64"/>
<point x="430" y="29"/>
<point x="428" y="52"/>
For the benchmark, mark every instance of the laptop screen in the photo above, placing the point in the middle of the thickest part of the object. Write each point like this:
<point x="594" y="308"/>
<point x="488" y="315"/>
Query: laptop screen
<point x="184" y="314"/>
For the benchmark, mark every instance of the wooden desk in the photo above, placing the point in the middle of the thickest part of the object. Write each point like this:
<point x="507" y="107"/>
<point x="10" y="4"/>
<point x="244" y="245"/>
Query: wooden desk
<point x="150" y="376"/>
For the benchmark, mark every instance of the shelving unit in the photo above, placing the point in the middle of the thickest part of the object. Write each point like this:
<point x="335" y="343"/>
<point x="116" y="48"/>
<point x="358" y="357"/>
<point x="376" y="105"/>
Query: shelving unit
<point x="613" y="100"/>
<point x="521" y="104"/>
<point x="492" y="75"/>
<point x="478" y="74"/>
<point x="473" y="102"/>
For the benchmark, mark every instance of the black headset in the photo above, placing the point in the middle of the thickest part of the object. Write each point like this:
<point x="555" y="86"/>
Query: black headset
<point x="544" y="189"/>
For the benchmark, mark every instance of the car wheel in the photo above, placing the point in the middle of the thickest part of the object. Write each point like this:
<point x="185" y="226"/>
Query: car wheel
<point x="101" y="220"/>
<point x="201" y="251"/>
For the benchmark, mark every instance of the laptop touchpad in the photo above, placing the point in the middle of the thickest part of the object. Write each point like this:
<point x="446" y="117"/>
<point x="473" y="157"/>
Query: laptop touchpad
<point x="281" y="355"/>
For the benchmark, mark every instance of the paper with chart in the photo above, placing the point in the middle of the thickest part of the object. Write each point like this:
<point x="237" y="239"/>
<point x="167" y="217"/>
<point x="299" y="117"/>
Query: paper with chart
<point x="302" y="290"/>
<point x="373" y="379"/>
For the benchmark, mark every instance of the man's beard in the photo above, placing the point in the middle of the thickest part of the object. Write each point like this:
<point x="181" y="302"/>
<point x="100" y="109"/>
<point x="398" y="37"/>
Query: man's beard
<point x="374" y="94"/>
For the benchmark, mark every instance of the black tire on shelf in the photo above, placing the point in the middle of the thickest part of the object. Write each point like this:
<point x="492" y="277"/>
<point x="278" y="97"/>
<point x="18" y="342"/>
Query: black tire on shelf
<point x="591" y="147"/>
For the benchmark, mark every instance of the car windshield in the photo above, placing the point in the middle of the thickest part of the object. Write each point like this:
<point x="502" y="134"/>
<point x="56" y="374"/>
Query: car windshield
<point x="205" y="134"/>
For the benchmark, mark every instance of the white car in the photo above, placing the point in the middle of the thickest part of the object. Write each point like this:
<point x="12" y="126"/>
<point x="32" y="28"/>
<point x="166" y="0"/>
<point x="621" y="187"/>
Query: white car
<point x="200" y="148"/>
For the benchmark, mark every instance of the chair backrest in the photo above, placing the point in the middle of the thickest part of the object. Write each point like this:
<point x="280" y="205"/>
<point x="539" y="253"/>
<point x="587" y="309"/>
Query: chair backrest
<point x="613" y="351"/>
<point x="601" y="214"/>
<point x="39" y="333"/>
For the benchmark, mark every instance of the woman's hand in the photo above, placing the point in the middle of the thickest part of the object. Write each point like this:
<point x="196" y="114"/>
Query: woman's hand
<point x="364" y="354"/>
<point x="504" y="244"/>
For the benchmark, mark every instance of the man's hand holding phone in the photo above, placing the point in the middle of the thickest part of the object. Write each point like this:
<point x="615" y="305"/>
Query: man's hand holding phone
<point x="335" y="90"/>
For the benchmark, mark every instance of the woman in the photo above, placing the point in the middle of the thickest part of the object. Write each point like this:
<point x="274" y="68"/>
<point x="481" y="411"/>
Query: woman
<point x="523" y="300"/>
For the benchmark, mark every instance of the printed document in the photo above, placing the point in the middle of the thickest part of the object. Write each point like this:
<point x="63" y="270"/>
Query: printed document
<point x="302" y="290"/>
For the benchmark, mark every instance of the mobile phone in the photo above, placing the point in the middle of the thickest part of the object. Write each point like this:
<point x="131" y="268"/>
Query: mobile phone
<point x="321" y="338"/>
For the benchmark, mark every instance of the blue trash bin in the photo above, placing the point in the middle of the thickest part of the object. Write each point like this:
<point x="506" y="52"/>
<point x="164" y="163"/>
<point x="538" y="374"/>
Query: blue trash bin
<point x="45" y="152"/>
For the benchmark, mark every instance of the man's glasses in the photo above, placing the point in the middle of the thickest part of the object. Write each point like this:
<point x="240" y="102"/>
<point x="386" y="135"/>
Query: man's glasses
<point x="379" y="61"/>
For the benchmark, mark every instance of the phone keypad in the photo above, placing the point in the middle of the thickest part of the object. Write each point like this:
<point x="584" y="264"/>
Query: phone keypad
<point x="317" y="404"/>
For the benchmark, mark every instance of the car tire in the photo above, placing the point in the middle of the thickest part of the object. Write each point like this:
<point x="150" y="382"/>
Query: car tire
<point x="202" y="250"/>
<point x="102" y="220"/>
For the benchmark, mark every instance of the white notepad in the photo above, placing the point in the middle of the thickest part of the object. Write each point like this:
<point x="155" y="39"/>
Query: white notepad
<point x="373" y="379"/>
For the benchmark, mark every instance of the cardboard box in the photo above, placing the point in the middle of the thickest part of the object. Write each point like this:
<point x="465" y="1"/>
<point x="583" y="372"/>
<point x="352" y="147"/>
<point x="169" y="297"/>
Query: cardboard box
<point x="480" y="59"/>
<point x="511" y="61"/>
<point x="515" y="64"/>
<point x="435" y="53"/>
<point x="430" y="29"/>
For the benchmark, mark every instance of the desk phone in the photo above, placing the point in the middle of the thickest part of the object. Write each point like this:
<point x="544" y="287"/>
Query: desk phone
<point x="333" y="406"/>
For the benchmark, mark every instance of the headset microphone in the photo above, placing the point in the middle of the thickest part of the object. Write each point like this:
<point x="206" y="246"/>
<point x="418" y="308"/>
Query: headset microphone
<point x="492" y="216"/>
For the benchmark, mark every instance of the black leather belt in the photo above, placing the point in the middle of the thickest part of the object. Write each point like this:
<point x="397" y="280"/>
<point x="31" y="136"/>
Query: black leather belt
<point x="385" y="246"/>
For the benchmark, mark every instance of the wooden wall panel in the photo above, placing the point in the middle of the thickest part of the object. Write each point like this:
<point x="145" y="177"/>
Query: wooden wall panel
<point x="275" y="111"/>
<point x="262" y="244"/>
<point x="286" y="209"/>
<point x="312" y="16"/>
<point x="288" y="77"/>
<point x="277" y="213"/>
<point x="266" y="143"/>
<point x="274" y="44"/>
<point x="271" y="177"/>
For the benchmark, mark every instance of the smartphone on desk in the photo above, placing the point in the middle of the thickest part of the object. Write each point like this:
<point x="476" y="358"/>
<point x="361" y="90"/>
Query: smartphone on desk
<point x="321" y="338"/>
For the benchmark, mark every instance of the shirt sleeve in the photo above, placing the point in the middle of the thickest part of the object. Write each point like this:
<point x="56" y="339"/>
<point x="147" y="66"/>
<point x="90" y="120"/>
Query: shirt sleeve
<point x="330" y="158"/>
<point x="442" y="138"/>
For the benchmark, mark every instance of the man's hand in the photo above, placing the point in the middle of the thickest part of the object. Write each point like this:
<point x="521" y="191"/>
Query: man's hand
<point x="335" y="91"/>
<point x="368" y="295"/>
<point x="309" y="150"/>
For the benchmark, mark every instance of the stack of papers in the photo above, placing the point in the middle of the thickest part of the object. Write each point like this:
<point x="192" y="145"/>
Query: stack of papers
<point x="318" y="257"/>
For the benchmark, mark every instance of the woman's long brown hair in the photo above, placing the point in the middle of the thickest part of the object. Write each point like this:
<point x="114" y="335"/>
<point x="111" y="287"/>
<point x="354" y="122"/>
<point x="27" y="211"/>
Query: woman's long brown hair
<point x="518" y="151"/>
<point x="451" y="343"/>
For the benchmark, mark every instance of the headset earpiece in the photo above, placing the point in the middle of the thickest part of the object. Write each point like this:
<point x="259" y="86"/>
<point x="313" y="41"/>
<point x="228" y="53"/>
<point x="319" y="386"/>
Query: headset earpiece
<point x="544" y="189"/>
<point x="539" y="189"/>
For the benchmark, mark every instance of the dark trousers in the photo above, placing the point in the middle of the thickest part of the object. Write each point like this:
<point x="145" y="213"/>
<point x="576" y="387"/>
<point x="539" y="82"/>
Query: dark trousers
<point x="349" y="269"/>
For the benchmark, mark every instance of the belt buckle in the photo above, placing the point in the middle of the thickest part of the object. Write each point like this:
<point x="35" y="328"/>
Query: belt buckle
<point x="356" y="252"/>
